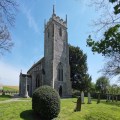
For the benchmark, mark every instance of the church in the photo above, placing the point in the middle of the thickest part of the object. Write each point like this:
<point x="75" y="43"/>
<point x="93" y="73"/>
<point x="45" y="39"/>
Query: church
<point x="53" y="69"/>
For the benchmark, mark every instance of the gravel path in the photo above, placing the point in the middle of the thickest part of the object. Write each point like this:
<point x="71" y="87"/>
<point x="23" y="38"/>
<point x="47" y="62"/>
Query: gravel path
<point x="15" y="98"/>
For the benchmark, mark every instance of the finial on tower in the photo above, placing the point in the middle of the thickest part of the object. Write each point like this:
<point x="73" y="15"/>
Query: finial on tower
<point x="66" y="18"/>
<point x="53" y="9"/>
<point x="44" y="22"/>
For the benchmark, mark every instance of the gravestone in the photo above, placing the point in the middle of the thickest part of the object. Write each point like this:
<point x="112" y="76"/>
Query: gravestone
<point x="78" y="105"/>
<point x="82" y="97"/>
<point x="89" y="98"/>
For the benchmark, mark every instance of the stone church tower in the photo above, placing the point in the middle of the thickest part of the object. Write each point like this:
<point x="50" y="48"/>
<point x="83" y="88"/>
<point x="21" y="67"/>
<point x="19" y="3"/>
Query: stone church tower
<point x="56" y="54"/>
<point x="53" y="69"/>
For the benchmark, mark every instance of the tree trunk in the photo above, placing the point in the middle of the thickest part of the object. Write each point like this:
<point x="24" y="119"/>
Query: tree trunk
<point x="116" y="98"/>
<point x="98" y="100"/>
<point x="107" y="98"/>
<point x="112" y="98"/>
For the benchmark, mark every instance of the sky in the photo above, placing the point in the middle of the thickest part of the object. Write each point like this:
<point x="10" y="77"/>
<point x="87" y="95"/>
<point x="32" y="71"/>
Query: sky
<point x="28" y="36"/>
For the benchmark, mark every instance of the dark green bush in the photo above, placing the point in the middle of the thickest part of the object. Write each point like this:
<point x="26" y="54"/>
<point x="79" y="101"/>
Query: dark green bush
<point x="46" y="102"/>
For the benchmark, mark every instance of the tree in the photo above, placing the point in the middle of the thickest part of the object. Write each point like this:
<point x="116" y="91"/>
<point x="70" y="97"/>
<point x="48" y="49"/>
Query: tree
<point x="78" y="65"/>
<point x="114" y="90"/>
<point x="101" y="84"/>
<point x="7" y="19"/>
<point x="92" y="87"/>
<point x="112" y="66"/>
<point x="109" y="44"/>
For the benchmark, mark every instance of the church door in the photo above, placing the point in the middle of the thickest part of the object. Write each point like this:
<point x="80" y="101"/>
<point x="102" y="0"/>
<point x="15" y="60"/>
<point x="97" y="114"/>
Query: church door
<point x="60" y="91"/>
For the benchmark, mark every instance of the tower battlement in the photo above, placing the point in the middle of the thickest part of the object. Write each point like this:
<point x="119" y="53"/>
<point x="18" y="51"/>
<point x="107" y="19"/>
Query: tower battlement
<point x="56" y="19"/>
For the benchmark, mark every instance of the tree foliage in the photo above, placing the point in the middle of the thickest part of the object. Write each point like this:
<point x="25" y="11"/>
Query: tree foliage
<point x="109" y="44"/>
<point x="112" y="66"/>
<point x="101" y="84"/>
<point x="78" y="66"/>
<point x="7" y="19"/>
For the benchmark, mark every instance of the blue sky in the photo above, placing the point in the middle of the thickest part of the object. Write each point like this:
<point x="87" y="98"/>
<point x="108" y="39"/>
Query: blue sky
<point x="28" y="35"/>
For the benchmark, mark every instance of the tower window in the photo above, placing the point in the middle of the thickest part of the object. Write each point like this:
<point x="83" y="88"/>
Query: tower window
<point x="53" y="30"/>
<point x="48" y="33"/>
<point x="60" y="72"/>
<point x="60" y="31"/>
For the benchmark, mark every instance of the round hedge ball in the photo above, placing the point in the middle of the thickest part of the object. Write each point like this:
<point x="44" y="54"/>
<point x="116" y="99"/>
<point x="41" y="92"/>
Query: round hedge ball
<point x="46" y="102"/>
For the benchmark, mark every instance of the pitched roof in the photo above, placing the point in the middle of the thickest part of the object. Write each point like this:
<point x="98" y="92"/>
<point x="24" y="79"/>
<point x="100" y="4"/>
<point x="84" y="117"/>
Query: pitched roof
<point x="40" y="61"/>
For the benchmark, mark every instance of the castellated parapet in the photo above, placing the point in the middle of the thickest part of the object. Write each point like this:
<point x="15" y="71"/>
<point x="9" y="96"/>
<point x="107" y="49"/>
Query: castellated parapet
<point x="58" y="20"/>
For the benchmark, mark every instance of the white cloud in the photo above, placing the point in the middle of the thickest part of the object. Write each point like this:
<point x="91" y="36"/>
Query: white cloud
<point x="31" y="21"/>
<point x="9" y="75"/>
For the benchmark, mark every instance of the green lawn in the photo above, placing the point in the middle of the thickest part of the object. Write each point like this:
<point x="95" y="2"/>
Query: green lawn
<point x="4" y="97"/>
<point x="21" y="110"/>
<point x="11" y="88"/>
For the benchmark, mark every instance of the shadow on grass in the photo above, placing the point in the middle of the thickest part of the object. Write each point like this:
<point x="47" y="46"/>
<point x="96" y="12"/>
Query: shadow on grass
<point x="5" y="96"/>
<point x="109" y="103"/>
<point x="99" y="117"/>
<point x="29" y="115"/>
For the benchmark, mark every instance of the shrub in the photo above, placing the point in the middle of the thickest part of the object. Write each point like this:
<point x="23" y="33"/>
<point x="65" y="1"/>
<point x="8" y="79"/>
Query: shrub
<point x="46" y="102"/>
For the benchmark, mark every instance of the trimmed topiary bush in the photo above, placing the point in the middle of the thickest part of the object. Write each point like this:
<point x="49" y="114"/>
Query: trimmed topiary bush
<point x="46" y="102"/>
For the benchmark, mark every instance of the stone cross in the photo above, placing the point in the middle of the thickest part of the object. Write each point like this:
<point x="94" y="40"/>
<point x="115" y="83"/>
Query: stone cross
<point x="26" y="92"/>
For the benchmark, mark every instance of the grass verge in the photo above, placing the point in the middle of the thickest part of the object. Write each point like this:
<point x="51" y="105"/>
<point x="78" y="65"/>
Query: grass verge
<point x="5" y="97"/>
<point x="22" y="110"/>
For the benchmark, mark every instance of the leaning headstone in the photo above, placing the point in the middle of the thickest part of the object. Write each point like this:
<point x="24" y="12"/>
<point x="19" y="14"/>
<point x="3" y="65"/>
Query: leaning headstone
<point x="89" y="98"/>
<point x="78" y="105"/>
<point x="98" y="100"/>
<point x="82" y="97"/>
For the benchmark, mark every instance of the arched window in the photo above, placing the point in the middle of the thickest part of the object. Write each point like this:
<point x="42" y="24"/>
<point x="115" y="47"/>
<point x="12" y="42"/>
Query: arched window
<point x="38" y="81"/>
<point x="60" y="31"/>
<point x="60" y="72"/>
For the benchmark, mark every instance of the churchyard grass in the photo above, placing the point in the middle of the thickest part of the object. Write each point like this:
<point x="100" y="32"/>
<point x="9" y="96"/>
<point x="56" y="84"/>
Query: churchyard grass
<point x="25" y="98"/>
<point x="5" y="97"/>
<point x="11" y="88"/>
<point x="22" y="110"/>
